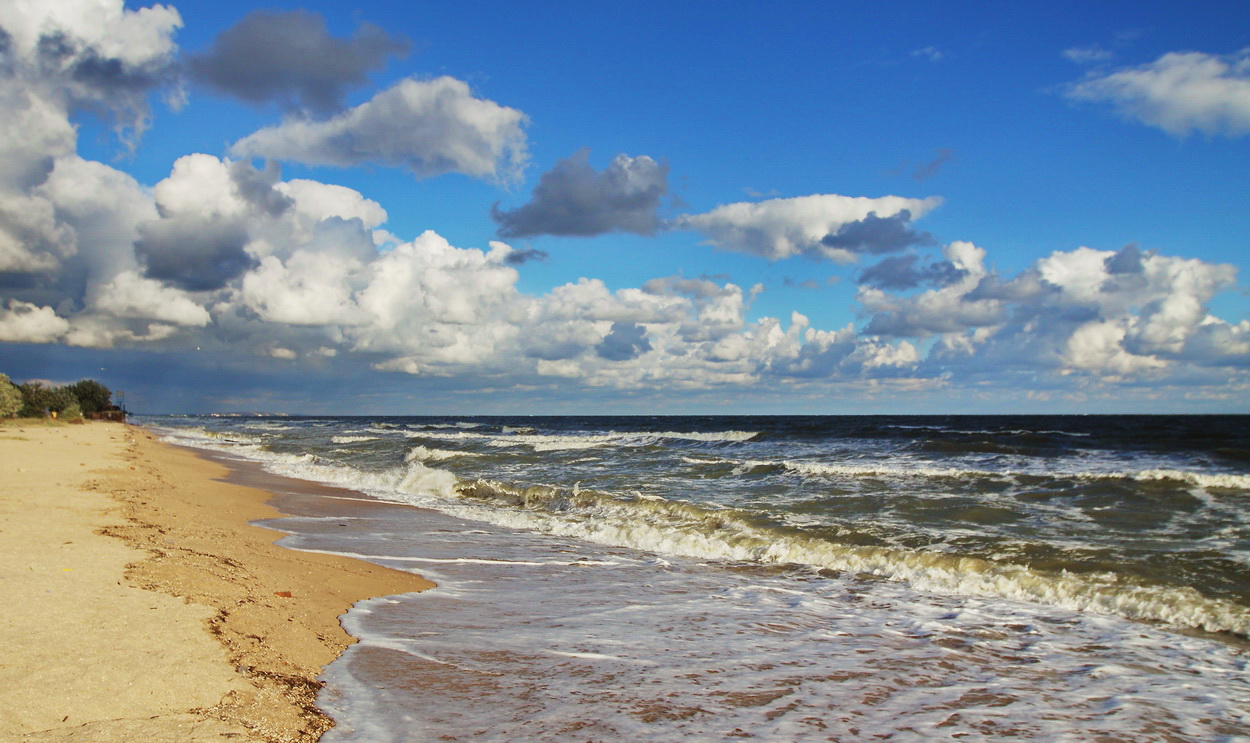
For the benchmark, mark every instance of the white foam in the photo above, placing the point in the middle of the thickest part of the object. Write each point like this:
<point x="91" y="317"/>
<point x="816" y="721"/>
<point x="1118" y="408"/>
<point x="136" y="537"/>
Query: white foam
<point x="426" y="454"/>
<point x="700" y="656"/>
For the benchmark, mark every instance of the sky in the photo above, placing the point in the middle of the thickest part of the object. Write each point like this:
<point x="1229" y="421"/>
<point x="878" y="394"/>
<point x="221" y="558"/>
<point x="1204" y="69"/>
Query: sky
<point x="471" y="207"/>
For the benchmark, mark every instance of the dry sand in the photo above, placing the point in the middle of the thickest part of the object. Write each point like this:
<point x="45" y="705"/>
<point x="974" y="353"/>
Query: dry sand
<point x="139" y="604"/>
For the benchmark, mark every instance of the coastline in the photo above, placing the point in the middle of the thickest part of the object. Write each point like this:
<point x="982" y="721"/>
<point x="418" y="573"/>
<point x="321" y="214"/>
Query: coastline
<point x="148" y="605"/>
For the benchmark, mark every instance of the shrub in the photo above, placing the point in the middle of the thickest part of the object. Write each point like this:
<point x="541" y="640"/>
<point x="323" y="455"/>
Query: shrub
<point x="71" y="412"/>
<point x="36" y="400"/>
<point x="10" y="398"/>
<point x="92" y="396"/>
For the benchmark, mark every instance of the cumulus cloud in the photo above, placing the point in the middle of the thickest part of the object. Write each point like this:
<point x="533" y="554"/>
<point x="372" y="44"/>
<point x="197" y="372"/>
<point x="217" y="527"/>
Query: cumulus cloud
<point x="193" y="253"/>
<point x="57" y="59"/>
<point x="626" y="341"/>
<point x="573" y="199"/>
<point x="1111" y="314"/>
<point x="945" y="309"/>
<point x="810" y="226"/>
<point x="874" y="235"/>
<point x="902" y="272"/>
<point x="130" y="296"/>
<point x="32" y="240"/>
<point x="198" y="242"/>
<point x="225" y="254"/>
<point x="81" y="54"/>
<point x="22" y="322"/>
<point x="429" y="127"/>
<point x="290" y="58"/>
<point x="1180" y="92"/>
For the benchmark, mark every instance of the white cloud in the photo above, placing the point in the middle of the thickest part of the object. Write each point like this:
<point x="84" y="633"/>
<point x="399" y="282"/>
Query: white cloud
<point x="946" y="309"/>
<point x="94" y="54"/>
<point x="130" y="296"/>
<point x="317" y="201"/>
<point x="32" y="240"/>
<point x="428" y="127"/>
<point x="223" y="254"/>
<point x="1113" y="314"/>
<point x="133" y="37"/>
<point x="1181" y="92"/>
<point x="310" y="289"/>
<point x="782" y="228"/>
<point x="23" y="322"/>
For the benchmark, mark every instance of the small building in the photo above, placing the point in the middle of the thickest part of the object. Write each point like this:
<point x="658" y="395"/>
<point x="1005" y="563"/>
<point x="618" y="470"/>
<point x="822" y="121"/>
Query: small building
<point x="115" y="414"/>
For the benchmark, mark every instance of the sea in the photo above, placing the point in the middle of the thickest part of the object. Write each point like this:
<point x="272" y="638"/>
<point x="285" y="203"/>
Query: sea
<point x="779" y="578"/>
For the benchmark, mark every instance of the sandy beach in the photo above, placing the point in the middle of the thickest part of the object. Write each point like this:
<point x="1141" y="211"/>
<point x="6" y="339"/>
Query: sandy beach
<point x="141" y="605"/>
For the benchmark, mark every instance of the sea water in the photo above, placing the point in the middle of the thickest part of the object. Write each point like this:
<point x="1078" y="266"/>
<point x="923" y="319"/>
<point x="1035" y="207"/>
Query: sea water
<point x="782" y="578"/>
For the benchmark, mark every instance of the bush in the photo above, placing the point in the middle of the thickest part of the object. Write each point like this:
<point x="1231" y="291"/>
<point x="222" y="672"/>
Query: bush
<point x="36" y="400"/>
<point x="92" y="396"/>
<point x="73" y="401"/>
<point x="10" y="398"/>
<point x="71" y="412"/>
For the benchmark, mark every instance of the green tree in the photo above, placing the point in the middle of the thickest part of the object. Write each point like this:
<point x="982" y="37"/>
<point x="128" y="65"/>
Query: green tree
<point x="36" y="400"/>
<point x="92" y="396"/>
<point x="10" y="398"/>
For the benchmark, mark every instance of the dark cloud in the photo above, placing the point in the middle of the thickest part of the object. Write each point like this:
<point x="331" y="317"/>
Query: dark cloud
<point x="195" y="254"/>
<point x="628" y="340"/>
<point x="108" y="87"/>
<point x="901" y="272"/>
<point x="1127" y="261"/>
<point x="60" y="54"/>
<point x="6" y="52"/>
<point x="1126" y="270"/>
<point x="928" y="170"/>
<point x="573" y="199"/>
<point x="817" y="360"/>
<point x="876" y="235"/>
<point x="518" y="257"/>
<point x="291" y="59"/>
<point x="257" y="187"/>
<point x="1026" y="288"/>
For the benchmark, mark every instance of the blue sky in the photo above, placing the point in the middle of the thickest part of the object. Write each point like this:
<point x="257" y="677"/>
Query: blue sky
<point x="640" y="207"/>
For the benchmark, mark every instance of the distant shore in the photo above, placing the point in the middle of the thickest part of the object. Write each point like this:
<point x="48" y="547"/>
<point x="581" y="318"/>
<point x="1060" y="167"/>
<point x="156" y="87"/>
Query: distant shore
<point x="146" y="607"/>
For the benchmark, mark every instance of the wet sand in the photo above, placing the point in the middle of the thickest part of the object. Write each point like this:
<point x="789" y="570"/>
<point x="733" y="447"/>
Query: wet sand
<point x="140" y="604"/>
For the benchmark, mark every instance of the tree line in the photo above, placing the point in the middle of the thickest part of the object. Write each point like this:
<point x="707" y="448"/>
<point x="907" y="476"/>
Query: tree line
<point x="69" y="402"/>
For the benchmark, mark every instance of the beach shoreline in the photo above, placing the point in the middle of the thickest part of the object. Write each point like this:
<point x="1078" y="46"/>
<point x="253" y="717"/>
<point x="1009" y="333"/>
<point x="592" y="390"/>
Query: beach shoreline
<point x="149" y="605"/>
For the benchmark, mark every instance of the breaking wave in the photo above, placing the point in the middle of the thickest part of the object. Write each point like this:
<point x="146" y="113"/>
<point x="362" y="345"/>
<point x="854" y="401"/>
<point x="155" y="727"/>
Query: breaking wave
<point x="680" y="528"/>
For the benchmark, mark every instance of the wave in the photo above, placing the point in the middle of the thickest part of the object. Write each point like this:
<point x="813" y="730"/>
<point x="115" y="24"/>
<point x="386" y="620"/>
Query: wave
<point x="557" y="443"/>
<point x="352" y="439"/>
<point x="561" y="442"/>
<point x="711" y="436"/>
<point x="988" y="431"/>
<point x="673" y="527"/>
<point x="425" y="454"/>
<point x="207" y="438"/>
<point x="443" y="434"/>
<point x="690" y="530"/>
<point x="436" y="426"/>
<point x="1199" y="479"/>
<point x="1231" y="481"/>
